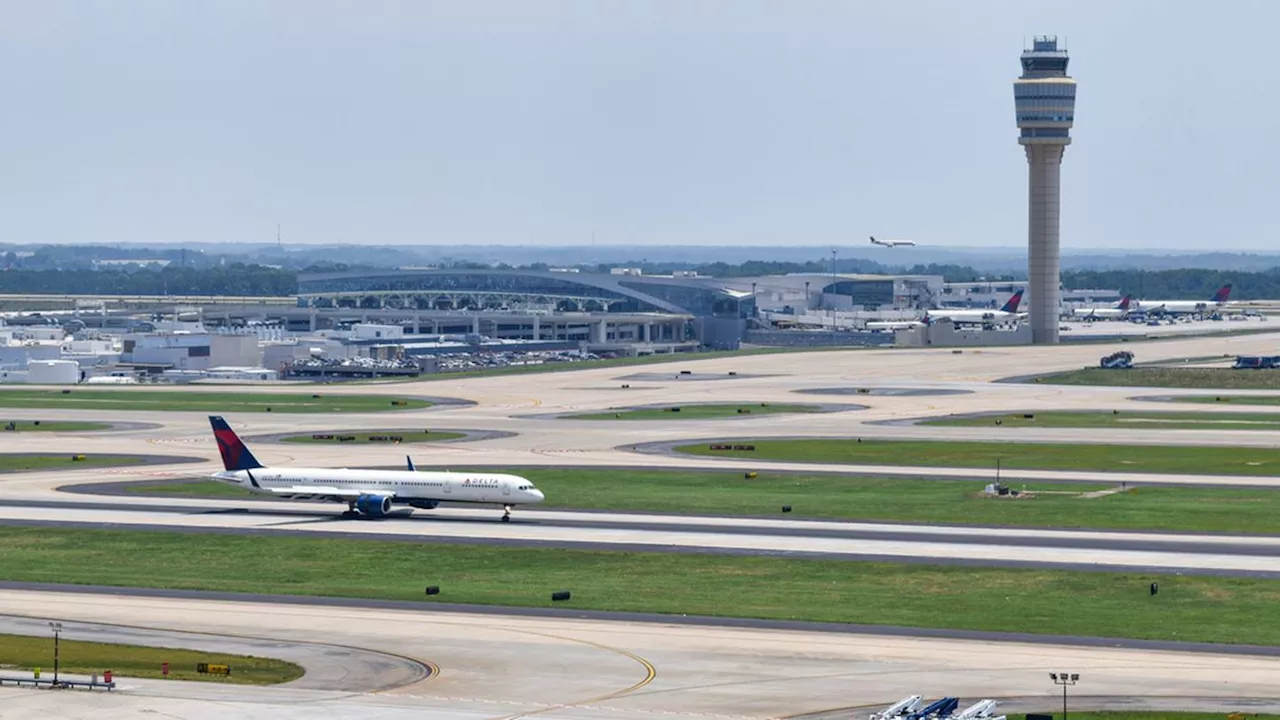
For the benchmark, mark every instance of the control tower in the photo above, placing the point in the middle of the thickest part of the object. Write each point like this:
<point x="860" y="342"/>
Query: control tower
<point x="1045" y="98"/>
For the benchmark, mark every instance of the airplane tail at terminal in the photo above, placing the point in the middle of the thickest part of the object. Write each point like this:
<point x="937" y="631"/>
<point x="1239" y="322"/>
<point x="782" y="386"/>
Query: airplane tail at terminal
<point x="1124" y="302"/>
<point x="235" y="456"/>
<point x="1223" y="293"/>
<point x="1014" y="302"/>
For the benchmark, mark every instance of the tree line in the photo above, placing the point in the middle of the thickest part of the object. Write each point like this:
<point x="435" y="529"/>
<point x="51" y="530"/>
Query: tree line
<point x="231" y="279"/>
<point x="261" y="280"/>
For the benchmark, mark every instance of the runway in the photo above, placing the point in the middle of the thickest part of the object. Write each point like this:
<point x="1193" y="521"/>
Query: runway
<point x="562" y="668"/>
<point x="1201" y="554"/>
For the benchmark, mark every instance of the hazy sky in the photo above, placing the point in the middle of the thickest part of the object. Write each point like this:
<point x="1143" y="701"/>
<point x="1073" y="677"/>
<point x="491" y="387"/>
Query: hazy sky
<point x="688" y="122"/>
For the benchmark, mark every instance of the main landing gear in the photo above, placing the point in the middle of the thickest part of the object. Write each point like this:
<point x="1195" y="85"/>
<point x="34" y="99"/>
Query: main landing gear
<point x="351" y="511"/>
<point x="506" y="513"/>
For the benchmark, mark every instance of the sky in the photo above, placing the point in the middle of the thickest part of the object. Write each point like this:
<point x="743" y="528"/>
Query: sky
<point x="649" y="122"/>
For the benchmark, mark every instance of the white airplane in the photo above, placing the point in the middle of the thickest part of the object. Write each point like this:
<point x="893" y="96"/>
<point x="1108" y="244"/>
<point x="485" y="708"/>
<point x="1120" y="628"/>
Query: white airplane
<point x="1009" y="311"/>
<point x="1120" y="310"/>
<point x="1187" y="307"/>
<point x="892" y="243"/>
<point x="894" y="324"/>
<point x="367" y="493"/>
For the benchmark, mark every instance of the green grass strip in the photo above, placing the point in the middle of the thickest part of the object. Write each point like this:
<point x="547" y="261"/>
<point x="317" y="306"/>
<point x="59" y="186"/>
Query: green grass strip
<point x="22" y="463"/>
<point x="1121" y="420"/>
<point x="79" y="657"/>
<point x="1163" y="377"/>
<point x="22" y="426"/>
<point x="213" y="402"/>
<point x="1176" y="459"/>
<point x="1191" y="608"/>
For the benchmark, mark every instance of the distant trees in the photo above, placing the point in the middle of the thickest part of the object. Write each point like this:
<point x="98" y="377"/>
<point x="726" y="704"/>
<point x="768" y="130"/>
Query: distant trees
<point x="262" y="280"/>
<point x="231" y="279"/>
<point x="1187" y="283"/>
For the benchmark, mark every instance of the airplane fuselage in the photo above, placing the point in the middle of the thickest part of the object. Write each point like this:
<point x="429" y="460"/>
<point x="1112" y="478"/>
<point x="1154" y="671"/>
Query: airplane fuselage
<point x="1177" y="306"/>
<point x="975" y="316"/>
<point x="404" y="487"/>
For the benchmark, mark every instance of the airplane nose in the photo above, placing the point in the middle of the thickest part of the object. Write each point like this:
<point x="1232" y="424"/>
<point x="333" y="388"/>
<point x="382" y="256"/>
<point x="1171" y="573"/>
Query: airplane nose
<point x="538" y="496"/>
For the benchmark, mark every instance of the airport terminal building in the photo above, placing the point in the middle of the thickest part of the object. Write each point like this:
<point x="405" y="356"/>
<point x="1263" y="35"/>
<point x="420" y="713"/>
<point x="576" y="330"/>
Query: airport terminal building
<point x="598" y="309"/>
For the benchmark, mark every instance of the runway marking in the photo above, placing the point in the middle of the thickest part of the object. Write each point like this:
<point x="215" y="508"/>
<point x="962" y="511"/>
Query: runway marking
<point x="650" y="674"/>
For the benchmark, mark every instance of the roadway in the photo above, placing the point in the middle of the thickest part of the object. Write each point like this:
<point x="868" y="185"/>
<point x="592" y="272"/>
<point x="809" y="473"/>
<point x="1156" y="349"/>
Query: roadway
<point x="518" y="665"/>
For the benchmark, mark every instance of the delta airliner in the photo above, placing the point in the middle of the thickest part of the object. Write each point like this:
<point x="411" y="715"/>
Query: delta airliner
<point x="367" y="493"/>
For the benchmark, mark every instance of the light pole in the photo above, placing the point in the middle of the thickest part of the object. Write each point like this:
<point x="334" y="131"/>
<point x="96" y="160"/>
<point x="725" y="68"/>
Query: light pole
<point x="57" y="631"/>
<point x="1064" y="680"/>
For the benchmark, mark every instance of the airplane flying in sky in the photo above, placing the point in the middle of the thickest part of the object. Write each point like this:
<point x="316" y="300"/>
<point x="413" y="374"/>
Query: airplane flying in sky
<point x="1009" y="311"/>
<point x="1184" y="307"/>
<point x="367" y="493"/>
<point x="892" y="243"/>
<point x="1119" y="310"/>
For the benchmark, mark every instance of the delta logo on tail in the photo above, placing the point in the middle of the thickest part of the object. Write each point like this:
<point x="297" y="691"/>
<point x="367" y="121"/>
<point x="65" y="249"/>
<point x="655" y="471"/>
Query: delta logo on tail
<point x="1223" y="293"/>
<point x="235" y="456"/>
<point x="1014" y="302"/>
<point x="1124" y="302"/>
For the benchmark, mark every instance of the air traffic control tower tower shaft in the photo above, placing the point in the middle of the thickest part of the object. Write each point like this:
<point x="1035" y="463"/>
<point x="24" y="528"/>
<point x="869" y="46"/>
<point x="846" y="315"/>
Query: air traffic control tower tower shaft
<point x="1045" y="98"/>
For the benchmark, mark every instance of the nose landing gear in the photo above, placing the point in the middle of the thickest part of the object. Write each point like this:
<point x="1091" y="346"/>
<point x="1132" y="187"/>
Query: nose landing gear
<point x="506" y="513"/>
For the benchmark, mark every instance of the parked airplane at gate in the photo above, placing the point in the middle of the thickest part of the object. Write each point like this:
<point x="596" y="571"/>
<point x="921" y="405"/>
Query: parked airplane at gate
<point x="367" y="493"/>
<point x="892" y="243"/>
<point x="1182" y="307"/>
<point x="1007" y="312"/>
<point x="1119" y="310"/>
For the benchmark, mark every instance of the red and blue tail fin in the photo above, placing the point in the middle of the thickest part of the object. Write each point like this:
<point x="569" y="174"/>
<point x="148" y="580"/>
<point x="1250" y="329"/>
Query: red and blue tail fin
<point x="1124" y="302"/>
<point x="1223" y="293"/>
<point x="1014" y="302"/>
<point x="235" y="456"/>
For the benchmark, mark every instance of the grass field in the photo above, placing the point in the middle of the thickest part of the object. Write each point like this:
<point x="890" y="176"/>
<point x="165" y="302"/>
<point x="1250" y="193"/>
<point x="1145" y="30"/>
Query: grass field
<point x="1228" y="510"/>
<point x="1188" y="608"/>
<point x="214" y="402"/>
<point x="78" y="657"/>
<point x="192" y="488"/>
<point x="21" y="463"/>
<point x="50" y="426"/>
<point x="1180" y="459"/>
<point x="696" y="412"/>
<point x="1234" y="399"/>
<point x="406" y="436"/>
<point x="1125" y="419"/>
<point x="1160" y="377"/>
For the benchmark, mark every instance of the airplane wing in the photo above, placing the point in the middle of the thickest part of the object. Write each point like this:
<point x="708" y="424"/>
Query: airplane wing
<point x="308" y="492"/>
<point x="317" y="491"/>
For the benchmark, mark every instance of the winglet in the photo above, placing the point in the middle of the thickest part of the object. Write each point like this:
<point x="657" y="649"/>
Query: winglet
<point x="252" y="480"/>
<point x="409" y="460"/>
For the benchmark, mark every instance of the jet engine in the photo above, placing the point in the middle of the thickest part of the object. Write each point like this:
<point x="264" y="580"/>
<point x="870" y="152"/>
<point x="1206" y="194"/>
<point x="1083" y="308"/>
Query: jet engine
<point x="373" y="506"/>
